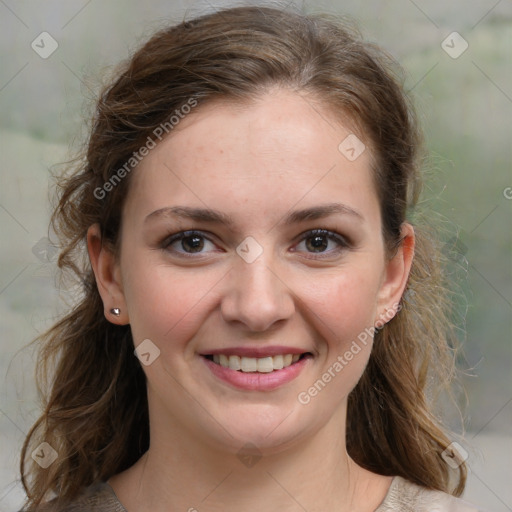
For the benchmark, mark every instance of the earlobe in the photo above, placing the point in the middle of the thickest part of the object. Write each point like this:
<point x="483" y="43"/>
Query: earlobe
<point x="395" y="278"/>
<point x="108" y="277"/>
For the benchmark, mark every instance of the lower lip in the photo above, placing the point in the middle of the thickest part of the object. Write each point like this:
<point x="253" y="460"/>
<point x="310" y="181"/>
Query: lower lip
<point x="254" y="381"/>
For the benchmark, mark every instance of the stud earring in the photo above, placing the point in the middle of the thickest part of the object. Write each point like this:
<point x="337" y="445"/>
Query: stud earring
<point x="115" y="311"/>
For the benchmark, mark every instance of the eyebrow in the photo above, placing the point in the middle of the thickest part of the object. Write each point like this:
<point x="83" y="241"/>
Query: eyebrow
<point x="215" y="216"/>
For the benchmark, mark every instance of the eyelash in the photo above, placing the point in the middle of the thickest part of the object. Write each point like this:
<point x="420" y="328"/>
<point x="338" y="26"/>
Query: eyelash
<point x="343" y="242"/>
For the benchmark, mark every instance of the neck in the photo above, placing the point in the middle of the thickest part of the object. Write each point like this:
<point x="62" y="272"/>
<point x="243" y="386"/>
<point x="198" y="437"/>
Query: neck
<point x="179" y="472"/>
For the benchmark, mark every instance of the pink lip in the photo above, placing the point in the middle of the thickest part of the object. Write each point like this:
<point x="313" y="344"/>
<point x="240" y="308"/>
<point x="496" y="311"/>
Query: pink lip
<point x="257" y="381"/>
<point x="257" y="352"/>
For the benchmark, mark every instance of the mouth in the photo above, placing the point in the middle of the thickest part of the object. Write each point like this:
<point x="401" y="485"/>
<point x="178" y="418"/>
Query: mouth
<point x="268" y="364"/>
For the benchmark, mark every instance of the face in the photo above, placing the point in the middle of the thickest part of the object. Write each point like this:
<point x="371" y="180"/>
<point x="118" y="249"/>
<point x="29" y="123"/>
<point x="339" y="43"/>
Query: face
<point x="250" y="240"/>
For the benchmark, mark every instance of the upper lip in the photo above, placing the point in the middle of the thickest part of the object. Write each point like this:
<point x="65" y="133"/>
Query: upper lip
<point x="257" y="352"/>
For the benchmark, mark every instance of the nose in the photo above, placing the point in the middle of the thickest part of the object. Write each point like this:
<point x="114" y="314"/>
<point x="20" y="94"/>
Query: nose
<point x="256" y="296"/>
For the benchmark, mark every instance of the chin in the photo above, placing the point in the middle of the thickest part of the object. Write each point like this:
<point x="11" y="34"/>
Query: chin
<point x="263" y="429"/>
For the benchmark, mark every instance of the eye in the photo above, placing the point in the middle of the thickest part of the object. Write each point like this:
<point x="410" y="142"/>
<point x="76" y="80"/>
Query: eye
<point x="322" y="241"/>
<point x="188" y="242"/>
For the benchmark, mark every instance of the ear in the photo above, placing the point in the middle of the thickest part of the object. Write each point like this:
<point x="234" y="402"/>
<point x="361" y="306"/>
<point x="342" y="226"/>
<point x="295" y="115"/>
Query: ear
<point x="396" y="274"/>
<point x="108" y="276"/>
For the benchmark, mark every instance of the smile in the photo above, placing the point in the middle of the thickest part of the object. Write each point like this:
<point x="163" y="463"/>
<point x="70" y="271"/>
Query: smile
<point x="252" y="364"/>
<point x="257" y="373"/>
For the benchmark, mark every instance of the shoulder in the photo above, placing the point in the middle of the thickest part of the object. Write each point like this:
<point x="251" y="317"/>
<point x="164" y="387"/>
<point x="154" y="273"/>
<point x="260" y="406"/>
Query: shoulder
<point x="99" y="497"/>
<point x="405" y="496"/>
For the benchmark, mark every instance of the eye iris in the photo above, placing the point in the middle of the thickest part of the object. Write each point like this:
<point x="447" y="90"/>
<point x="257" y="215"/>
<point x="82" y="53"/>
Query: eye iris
<point x="318" y="243"/>
<point x="192" y="243"/>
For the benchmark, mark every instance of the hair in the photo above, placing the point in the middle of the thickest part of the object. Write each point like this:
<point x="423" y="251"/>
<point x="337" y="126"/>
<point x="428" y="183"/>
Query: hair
<point x="95" y="411"/>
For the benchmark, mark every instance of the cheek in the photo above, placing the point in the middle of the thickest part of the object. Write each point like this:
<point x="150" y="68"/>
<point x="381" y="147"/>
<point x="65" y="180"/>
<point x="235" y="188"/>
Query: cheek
<point x="164" y="304"/>
<point x="345" y="303"/>
<point x="344" y="307"/>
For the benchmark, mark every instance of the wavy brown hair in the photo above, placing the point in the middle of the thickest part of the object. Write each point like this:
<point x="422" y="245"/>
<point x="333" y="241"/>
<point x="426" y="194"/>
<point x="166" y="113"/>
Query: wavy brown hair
<point x="95" y="412"/>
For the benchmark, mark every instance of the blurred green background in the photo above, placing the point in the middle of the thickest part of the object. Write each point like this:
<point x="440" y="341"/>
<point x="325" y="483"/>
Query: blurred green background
<point x="464" y="103"/>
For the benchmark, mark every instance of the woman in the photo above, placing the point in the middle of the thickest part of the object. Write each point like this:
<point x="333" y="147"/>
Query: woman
<point x="243" y="200"/>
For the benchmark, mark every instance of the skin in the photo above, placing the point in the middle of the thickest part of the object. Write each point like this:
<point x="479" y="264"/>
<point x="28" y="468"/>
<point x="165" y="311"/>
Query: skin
<point x="255" y="163"/>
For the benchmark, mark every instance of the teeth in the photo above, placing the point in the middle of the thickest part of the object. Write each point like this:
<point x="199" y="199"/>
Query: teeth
<point x="249" y="364"/>
<point x="265" y="365"/>
<point x="234" y="363"/>
<point x="253" y="364"/>
<point x="278" y="362"/>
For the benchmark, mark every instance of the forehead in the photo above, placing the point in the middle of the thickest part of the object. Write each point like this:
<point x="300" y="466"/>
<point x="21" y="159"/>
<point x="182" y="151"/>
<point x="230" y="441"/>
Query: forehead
<point x="265" y="155"/>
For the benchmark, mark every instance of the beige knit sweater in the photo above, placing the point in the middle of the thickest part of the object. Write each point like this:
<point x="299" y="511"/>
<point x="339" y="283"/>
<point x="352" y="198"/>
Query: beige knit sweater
<point x="402" y="496"/>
